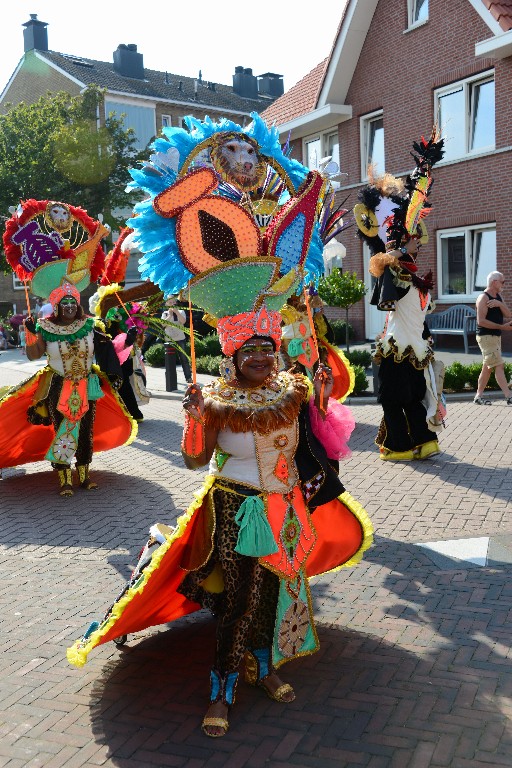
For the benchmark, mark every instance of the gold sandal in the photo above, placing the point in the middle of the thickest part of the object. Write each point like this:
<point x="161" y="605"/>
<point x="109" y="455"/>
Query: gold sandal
<point x="280" y="693"/>
<point x="222" y="690"/>
<point x="257" y="671"/>
<point x="214" y="722"/>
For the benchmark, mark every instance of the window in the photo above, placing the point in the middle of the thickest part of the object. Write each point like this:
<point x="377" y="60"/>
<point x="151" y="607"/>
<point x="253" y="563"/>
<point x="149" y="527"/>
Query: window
<point x="467" y="116"/>
<point x="372" y="143"/>
<point x="141" y="119"/>
<point x="417" y="12"/>
<point x="318" y="147"/>
<point x="17" y="284"/>
<point x="465" y="258"/>
<point x="166" y="121"/>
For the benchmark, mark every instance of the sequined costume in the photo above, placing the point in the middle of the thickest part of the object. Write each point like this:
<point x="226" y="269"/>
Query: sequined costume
<point x="53" y="413"/>
<point x="267" y="454"/>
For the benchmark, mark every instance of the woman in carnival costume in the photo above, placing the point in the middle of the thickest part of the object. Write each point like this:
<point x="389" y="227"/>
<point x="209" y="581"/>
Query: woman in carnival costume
<point x="390" y="219"/>
<point x="57" y="247"/>
<point x="272" y="511"/>
<point x="125" y="320"/>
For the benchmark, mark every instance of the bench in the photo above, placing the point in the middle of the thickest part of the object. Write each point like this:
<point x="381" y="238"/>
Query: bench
<point x="459" y="320"/>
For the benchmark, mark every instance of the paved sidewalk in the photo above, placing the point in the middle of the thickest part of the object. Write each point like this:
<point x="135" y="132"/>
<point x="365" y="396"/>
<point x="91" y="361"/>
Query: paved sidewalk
<point x="414" y="668"/>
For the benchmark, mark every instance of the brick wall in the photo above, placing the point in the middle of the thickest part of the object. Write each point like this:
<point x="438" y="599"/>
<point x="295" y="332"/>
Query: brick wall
<point x="398" y="72"/>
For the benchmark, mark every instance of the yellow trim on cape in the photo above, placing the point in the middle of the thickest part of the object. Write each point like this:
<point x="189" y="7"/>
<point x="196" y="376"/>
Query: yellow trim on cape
<point x="77" y="653"/>
<point x="361" y="514"/>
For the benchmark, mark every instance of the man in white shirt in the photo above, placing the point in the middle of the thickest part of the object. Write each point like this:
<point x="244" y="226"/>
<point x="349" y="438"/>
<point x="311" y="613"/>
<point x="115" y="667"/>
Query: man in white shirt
<point x="176" y="336"/>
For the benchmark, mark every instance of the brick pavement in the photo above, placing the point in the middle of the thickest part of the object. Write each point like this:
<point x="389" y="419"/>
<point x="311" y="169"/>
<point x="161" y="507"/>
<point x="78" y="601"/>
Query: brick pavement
<point x="414" y="667"/>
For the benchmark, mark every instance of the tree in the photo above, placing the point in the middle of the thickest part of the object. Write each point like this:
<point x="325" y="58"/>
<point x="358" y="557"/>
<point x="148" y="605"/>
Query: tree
<point x="342" y="289"/>
<point x="54" y="149"/>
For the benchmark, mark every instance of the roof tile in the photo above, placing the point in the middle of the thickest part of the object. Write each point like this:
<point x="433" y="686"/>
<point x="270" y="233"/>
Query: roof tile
<point x="156" y="85"/>
<point x="502" y="12"/>
<point x="299" y="100"/>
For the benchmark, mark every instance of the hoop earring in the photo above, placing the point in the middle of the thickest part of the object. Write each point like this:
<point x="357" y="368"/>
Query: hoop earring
<point x="227" y="370"/>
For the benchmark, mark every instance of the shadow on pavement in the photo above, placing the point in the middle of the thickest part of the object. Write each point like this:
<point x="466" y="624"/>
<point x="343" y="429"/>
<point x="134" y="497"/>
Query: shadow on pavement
<point x="111" y="517"/>
<point x="359" y="699"/>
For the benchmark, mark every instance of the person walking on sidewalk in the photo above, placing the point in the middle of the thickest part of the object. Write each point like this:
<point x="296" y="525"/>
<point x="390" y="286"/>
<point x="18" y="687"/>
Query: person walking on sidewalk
<point x="491" y="312"/>
<point x="175" y="336"/>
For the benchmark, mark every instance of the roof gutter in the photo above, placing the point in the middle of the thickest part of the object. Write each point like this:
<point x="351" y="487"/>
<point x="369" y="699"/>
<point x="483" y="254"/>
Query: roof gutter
<point x="497" y="47"/>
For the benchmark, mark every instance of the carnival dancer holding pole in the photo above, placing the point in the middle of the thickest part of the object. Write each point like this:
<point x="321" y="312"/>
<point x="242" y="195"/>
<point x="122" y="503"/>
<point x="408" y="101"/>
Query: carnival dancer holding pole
<point x="272" y="511"/>
<point x="62" y="399"/>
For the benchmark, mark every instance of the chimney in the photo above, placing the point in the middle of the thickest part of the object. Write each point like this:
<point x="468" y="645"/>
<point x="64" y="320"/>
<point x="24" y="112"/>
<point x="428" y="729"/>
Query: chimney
<point x="35" y="34"/>
<point x="245" y="83"/>
<point x="271" y="85"/>
<point x="128" y="62"/>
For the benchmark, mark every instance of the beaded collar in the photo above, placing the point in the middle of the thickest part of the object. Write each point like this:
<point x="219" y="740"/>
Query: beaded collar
<point x="76" y="330"/>
<point x="261" y="408"/>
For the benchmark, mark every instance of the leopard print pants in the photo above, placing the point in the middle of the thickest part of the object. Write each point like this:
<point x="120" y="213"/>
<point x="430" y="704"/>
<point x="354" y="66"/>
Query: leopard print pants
<point x="246" y="609"/>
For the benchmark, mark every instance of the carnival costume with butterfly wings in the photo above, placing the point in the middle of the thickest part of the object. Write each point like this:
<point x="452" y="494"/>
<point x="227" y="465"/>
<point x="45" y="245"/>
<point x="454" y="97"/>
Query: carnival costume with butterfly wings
<point x="237" y="240"/>
<point x="390" y="216"/>
<point x="57" y="249"/>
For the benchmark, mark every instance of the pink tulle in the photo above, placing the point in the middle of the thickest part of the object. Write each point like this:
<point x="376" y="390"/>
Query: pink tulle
<point x="122" y="352"/>
<point x="333" y="432"/>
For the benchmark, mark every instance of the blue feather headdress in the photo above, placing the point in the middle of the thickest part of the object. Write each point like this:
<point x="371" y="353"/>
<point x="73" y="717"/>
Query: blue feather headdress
<point x="217" y="191"/>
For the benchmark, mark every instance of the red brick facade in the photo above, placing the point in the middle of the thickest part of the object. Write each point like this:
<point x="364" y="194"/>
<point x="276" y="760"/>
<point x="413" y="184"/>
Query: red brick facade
<point x="397" y="72"/>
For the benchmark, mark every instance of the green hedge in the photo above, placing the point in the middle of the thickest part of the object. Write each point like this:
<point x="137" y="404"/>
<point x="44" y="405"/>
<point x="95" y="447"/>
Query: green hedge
<point x="458" y="377"/>
<point x="338" y="328"/>
<point x="359" y="357"/>
<point x="155" y="356"/>
<point x="361" y="382"/>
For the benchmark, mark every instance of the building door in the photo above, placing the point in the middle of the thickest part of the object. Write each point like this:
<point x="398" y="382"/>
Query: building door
<point x="374" y="318"/>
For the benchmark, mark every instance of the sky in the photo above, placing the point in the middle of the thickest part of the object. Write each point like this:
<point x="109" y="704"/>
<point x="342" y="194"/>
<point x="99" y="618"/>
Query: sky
<point x="182" y="37"/>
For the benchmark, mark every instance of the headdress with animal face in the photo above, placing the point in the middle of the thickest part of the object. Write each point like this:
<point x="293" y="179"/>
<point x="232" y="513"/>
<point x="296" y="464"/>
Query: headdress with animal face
<point x="202" y="228"/>
<point x="50" y="244"/>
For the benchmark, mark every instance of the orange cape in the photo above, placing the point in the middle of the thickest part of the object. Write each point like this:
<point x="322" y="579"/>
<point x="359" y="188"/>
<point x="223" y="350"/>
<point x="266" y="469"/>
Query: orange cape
<point x="22" y="442"/>
<point x="343" y="530"/>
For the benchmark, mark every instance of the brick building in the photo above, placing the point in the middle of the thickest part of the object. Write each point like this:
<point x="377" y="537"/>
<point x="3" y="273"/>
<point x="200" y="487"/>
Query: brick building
<point x="149" y="99"/>
<point x="397" y="66"/>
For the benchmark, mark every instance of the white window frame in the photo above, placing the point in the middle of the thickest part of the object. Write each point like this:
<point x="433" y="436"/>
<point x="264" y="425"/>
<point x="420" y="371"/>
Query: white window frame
<point x="469" y="234"/>
<point x="364" y="125"/>
<point x="323" y="138"/>
<point x="467" y="85"/>
<point x="17" y="284"/>
<point x="411" y="13"/>
<point x="166" y="121"/>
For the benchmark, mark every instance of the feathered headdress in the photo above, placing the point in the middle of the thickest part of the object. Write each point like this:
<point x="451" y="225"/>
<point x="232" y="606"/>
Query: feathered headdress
<point x="229" y="217"/>
<point x="392" y="210"/>
<point x="117" y="259"/>
<point x="48" y="243"/>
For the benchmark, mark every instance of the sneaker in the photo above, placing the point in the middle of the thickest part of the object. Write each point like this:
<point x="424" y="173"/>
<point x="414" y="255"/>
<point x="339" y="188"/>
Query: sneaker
<point x="482" y="401"/>
<point x="509" y="400"/>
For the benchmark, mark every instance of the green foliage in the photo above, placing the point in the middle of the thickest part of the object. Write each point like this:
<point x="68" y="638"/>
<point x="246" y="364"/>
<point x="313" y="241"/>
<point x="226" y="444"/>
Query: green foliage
<point x="458" y="377"/>
<point x="339" y="328"/>
<point x="53" y="149"/>
<point x="208" y="346"/>
<point x="341" y="289"/>
<point x="359" y="357"/>
<point x="155" y="356"/>
<point x="209" y="364"/>
<point x="455" y="377"/>
<point x="360" y="381"/>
